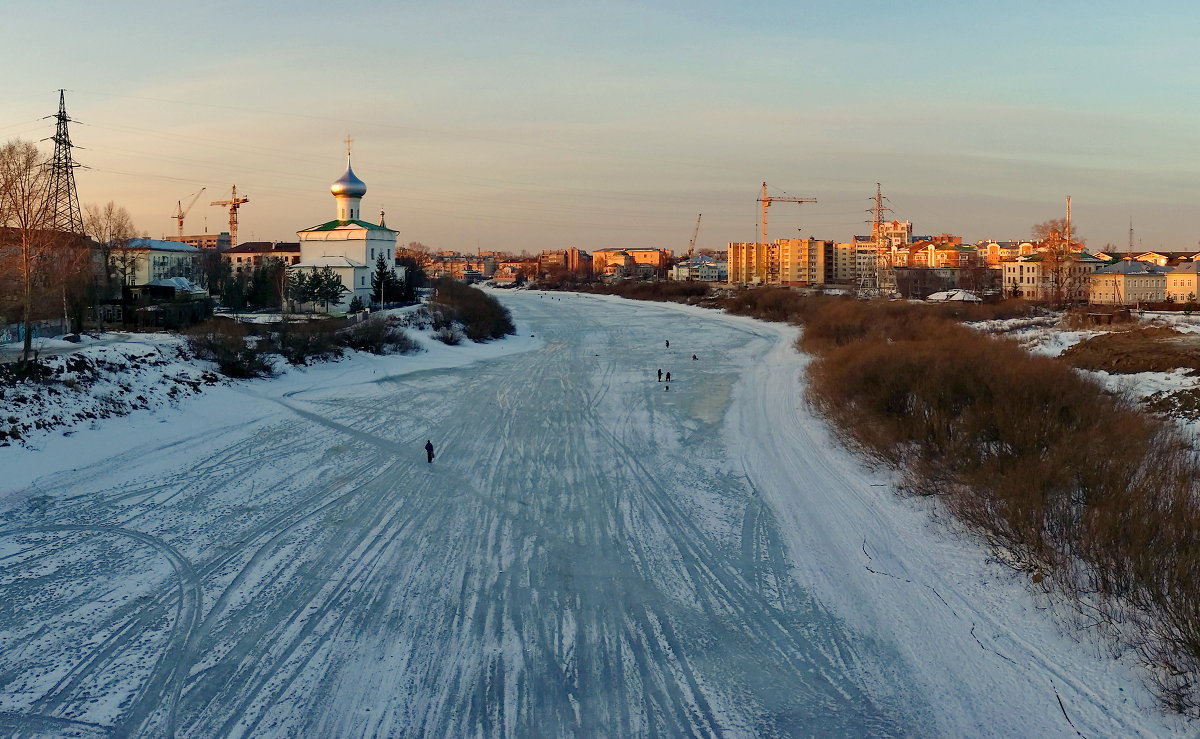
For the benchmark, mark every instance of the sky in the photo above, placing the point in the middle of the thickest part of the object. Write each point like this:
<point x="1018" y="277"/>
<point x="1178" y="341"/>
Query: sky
<point x="541" y="125"/>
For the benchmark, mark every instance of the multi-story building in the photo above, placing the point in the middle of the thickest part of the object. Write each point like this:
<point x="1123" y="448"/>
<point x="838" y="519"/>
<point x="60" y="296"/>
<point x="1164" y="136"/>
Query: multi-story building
<point x="843" y="267"/>
<point x="146" y="260"/>
<point x="1040" y="276"/>
<point x="645" y="262"/>
<point x="210" y="242"/>
<point x="1183" y="282"/>
<point x="701" y="268"/>
<point x="747" y="263"/>
<point x="567" y="260"/>
<point x="895" y="233"/>
<point x="997" y="253"/>
<point x="247" y="256"/>
<point x="793" y="262"/>
<point x="1128" y="282"/>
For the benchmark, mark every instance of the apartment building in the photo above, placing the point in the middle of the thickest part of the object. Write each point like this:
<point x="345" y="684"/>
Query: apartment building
<point x="793" y="262"/>
<point x="147" y="260"/>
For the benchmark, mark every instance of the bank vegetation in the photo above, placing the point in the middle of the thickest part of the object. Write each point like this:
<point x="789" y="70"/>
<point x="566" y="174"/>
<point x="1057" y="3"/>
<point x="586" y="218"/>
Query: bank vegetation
<point x="1095" y="499"/>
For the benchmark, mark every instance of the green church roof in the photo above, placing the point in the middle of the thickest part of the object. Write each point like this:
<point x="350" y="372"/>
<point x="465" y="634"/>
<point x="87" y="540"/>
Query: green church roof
<point x="335" y="225"/>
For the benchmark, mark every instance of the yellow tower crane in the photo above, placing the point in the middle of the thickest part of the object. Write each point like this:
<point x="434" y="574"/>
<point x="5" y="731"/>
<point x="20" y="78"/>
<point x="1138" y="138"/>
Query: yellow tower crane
<point x="695" y="233"/>
<point x="233" y="203"/>
<point x="181" y="212"/>
<point x="766" y="201"/>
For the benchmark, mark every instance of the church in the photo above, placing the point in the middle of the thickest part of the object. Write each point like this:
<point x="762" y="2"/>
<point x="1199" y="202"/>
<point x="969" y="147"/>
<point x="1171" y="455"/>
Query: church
<point x="348" y="245"/>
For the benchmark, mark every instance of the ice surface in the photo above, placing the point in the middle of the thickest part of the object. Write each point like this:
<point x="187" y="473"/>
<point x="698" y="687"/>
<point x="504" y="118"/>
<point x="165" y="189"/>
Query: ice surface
<point x="589" y="555"/>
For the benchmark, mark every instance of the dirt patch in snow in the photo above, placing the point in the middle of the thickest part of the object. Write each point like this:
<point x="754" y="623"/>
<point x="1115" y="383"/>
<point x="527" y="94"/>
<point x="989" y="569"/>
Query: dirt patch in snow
<point x="1159" y="349"/>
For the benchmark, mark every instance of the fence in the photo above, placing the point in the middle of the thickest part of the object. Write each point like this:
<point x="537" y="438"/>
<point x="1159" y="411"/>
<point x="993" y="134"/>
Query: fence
<point x="40" y="330"/>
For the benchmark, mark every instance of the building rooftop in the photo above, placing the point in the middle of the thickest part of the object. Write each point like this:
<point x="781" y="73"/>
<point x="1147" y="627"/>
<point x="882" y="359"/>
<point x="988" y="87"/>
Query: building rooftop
<point x="1132" y="267"/>
<point x="347" y="226"/>
<point x="160" y="245"/>
<point x="260" y="247"/>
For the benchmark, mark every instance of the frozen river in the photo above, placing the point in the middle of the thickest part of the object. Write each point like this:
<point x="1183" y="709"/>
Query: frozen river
<point x="591" y="554"/>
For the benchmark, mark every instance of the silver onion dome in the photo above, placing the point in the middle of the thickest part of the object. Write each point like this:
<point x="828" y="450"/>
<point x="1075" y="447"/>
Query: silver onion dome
<point x="348" y="185"/>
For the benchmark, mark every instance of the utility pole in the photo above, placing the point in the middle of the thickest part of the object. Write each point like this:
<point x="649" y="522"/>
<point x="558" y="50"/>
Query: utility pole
<point x="1130" y="234"/>
<point x="233" y="203"/>
<point x="61" y="196"/>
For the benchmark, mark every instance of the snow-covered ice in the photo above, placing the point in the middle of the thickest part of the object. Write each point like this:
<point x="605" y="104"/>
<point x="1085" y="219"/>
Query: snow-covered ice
<point x="590" y="554"/>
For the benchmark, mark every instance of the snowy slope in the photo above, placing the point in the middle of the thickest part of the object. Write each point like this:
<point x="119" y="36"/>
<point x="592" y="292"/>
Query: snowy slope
<point x="590" y="554"/>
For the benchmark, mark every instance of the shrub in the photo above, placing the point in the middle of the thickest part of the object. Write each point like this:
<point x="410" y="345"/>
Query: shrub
<point x="225" y="342"/>
<point x="300" y="343"/>
<point x="481" y="316"/>
<point x="658" y="290"/>
<point x="449" y="335"/>
<point x="378" y="336"/>
<point x="1046" y="463"/>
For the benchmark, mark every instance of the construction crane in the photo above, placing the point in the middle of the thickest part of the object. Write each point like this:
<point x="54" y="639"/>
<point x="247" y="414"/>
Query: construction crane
<point x="181" y="212"/>
<point x="695" y="233"/>
<point x="766" y="201"/>
<point x="233" y="204"/>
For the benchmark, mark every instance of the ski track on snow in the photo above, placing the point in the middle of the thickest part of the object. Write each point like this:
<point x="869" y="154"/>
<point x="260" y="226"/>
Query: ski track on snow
<point x="591" y="554"/>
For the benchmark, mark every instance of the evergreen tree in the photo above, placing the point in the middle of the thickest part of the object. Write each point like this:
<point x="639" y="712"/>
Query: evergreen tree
<point x="385" y="285"/>
<point x="327" y="287"/>
<point x="414" y="277"/>
<point x="300" y="286"/>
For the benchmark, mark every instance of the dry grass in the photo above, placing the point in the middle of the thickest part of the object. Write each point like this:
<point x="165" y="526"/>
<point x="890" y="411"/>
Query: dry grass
<point x="1158" y="349"/>
<point x="1079" y="484"/>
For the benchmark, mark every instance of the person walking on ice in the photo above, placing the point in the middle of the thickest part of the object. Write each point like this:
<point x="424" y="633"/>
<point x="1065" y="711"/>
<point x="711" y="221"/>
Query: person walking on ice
<point x="429" y="450"/>
<point x="660" y="375"/>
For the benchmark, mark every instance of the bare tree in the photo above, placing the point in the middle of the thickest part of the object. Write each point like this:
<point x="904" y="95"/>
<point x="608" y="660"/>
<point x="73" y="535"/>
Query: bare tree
<point x="1059" y="253"/>
<point x="112" y="229"/>
<point x="25" y="215"/>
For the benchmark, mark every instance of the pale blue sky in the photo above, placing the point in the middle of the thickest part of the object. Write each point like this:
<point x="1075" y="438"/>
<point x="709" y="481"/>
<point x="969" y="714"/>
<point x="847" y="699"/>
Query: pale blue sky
<point x="531" y="125"/>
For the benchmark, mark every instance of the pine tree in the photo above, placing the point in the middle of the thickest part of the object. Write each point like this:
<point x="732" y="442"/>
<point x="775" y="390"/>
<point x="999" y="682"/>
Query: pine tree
<point x="385" y="285"/>
<point x="327" y="286"/>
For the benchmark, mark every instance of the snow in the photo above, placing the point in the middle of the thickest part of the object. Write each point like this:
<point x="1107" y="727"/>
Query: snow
<point x="590" y="554"/>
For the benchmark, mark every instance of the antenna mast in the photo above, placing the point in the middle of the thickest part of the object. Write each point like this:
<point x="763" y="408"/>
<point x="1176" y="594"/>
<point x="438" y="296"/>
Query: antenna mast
<point x="62" y="198"/>
<point x="1068" y="233"/>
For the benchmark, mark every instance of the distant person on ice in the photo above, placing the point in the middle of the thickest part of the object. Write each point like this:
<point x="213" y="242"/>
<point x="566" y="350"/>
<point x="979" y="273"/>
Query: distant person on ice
<point x="660" y="375"/>
<point x="668" y="377"/>
<point x="694" y="357"/>
<point x="668" y="342"/>
<point x="429" y="450"/>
